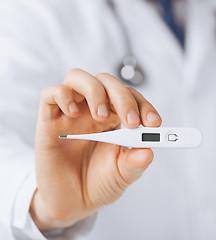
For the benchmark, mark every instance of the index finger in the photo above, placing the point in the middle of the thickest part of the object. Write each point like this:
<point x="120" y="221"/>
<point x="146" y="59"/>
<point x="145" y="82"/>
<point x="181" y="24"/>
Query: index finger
<point x="149" y="115"/>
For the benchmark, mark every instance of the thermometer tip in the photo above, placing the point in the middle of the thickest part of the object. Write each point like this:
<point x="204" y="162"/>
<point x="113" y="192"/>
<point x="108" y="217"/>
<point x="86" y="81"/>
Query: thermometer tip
<point x="63" y="136"/>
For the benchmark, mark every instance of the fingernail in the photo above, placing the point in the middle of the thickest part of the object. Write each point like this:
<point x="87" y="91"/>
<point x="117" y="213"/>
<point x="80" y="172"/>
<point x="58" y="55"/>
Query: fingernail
<point x="133" y="117"/>
<point x="73" y="107"/>
<point x="102" y="110"/>
<point x="152" y="117"/>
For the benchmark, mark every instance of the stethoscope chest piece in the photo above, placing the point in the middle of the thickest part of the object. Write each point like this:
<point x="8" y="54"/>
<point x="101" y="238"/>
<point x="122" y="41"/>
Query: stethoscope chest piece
<point x="130" y="73"/>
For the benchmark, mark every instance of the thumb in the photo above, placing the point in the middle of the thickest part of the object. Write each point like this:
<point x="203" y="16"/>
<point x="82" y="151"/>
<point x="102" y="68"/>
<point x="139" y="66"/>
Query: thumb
<point x="133" y="162"/>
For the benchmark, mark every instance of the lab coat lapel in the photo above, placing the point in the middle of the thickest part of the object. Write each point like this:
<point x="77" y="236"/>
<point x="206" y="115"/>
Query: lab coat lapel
<point x="149" y="35"/>
<point x="200" y="44"/>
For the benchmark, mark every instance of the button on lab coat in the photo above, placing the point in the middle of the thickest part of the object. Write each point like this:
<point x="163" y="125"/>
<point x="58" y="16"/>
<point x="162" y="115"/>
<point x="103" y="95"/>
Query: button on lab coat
<point x="41" y="40"/>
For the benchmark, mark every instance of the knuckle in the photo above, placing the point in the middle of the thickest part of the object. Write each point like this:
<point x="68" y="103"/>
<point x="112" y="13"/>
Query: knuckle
<point x="93" y="88"/>
<point x="72" y="72"/>
<point x="124" y="94"/>
<point x="143" y="102"/>
<point x="75" y="70"/>
<point x="131" y="89"/>
<point x="60" y="90"/>
<point x="55" y="90"/>
<point x="102" y="75"/>
<point x="134" y="92"/>
<point x="44" y="92"/>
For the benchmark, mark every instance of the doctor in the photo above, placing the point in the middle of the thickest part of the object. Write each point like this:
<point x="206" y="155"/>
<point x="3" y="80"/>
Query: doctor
<point x="52" y="189"/>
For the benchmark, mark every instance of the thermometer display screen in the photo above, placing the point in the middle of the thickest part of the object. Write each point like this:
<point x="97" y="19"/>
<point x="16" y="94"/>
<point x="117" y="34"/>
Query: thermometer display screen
<point x="151" y="137"/>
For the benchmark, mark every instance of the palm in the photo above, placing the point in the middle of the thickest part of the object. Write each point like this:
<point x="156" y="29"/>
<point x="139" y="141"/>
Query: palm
<point x="86" y="167"/>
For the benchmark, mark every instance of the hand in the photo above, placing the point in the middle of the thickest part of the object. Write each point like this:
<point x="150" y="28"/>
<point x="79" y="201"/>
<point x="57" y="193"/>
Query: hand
<point x="76" y="177"/>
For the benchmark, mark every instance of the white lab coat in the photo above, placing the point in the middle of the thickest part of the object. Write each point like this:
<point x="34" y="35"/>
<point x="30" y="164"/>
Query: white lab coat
<point x="40" y="40"/>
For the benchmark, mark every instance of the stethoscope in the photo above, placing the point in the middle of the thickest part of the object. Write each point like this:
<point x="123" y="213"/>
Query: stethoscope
<point x="129" y="70"/>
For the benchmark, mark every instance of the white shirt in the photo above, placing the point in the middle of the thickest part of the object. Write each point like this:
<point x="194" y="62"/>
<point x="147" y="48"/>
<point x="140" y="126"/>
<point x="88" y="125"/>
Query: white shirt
<point x="41" y="40"/>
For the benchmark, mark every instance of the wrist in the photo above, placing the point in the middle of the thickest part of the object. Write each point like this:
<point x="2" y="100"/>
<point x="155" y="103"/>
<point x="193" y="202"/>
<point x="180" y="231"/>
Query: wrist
<point x="38" y="213"/>
<point x="44" y="220"/>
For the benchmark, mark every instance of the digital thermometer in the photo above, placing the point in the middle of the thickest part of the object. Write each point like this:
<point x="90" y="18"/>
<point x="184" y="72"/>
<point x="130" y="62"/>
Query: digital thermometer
<point x="146" y="137"/>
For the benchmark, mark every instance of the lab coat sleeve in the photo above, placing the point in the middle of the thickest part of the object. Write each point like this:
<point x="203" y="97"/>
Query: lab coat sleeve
<point x="27" y="64"/>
